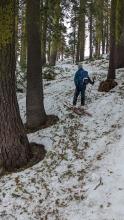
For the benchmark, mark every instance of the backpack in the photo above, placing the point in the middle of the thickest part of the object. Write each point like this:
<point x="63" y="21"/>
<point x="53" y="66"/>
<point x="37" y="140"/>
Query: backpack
<point x="81" y="78"/>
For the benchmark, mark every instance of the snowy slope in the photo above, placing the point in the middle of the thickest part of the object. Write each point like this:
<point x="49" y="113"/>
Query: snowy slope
<point x="82" y="176"/>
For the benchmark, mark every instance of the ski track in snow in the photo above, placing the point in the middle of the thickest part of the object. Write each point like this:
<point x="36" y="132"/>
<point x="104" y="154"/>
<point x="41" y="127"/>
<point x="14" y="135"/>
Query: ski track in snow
<point x="82" y="175"/>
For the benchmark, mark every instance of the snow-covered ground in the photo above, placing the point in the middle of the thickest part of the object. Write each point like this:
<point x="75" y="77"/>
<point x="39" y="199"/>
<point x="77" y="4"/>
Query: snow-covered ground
<point x="82" y="175"/>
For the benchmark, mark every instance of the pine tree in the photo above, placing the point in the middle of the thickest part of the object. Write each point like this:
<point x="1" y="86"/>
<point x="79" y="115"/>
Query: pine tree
<point x="116" y="38"/>
<point x="90" y="7"/>
<point x="14" y="145"/>
<point x="56" y="33"/>
<point x="82" y="12"/>
<point x="35" y="111"/>
<point x="116" y="43"/>
<point x="74" y="35"/>
<point x="107" y="25"/>
<point x="119" y="35"/>
<point x="45" y="13"/>
<point x="98" y="26"/>
<point x="111" y="71"/>
<point x="23" y="49"/>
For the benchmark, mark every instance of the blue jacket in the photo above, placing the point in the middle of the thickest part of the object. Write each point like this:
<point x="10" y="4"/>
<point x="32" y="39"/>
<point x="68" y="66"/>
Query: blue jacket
<point x="81" y="79"/>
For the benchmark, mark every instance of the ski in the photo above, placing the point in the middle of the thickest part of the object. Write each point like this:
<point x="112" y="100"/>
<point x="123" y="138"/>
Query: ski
<point x="77" y="110"/>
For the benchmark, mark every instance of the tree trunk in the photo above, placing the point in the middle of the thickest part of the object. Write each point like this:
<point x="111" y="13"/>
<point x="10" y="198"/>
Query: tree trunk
<point x="17" y="46"/>
<point x="35" y="112"/>
<point x="107" y="27"/>
<point x="97" y="48"/>
<point x="119" y="47"/>
<point x="53" y="53"/>
<point x="48" y="50"/>
<point x="14" y="145"/>
<point x="91" y="31"/>
<point x="103" y="27"/>
<point x="82" y="29"/>
<point x="111" y="71"/>
<point x="23" y="52"/>
<point x="78" y="47"/>
<point x="103" y="37"/>
<point x="74" y="45"/>
<point x="56" y="33"/>
<point x="44" y="32"/>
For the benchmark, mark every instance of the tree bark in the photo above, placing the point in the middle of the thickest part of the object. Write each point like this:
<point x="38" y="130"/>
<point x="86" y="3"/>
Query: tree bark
<point x="119" y="47"/>
<point x="78" y="47"/>
<point x="74" y="45"/>
<point x="23" y="52"/>
<point x="56" y="33"/>
<point x="44" y="32"/>
<point x="35" y="111"/>
<point x="107" y="30"/>
<point x="82" y="29"/>
<point x="91" y="30"/>
<point x="48" y="50"/>
<point x="103" y="36"/>
<point x="14" y="145"/>
<point x="111" y="71"/>
<point x="97" y="48"/>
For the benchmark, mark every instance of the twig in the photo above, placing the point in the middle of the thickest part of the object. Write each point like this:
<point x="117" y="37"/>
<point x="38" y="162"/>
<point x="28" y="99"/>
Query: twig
<point x="99" y="184"/>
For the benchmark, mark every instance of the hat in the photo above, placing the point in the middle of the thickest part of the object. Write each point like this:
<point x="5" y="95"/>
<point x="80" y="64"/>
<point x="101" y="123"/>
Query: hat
<point x="80" y="66"/>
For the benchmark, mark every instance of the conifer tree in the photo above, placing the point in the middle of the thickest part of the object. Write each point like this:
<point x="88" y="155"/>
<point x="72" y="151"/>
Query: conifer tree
<point x="23" y="49"/>
<point x="116" y="38"/>
<point x="74" y="34"/>
<point x="35" y="111"/>
<point x="82" y="12"/>
<point x="45" y="14"/>
<point x="111" y="71"/>
<point x="90" y="9"/>
<point x="14" y="145"/>
<point x="116" y="43"/>
<point x="56" y="32"/>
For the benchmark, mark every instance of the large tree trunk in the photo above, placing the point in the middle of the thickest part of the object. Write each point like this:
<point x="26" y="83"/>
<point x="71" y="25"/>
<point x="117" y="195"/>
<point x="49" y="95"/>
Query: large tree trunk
<point x="82" y="29"/>
<point x="107" y="30"/>
<point x="97" y="48"/>
<point x="103" y="37"/>
<point x="116" y="38"/>
<point x="109" y="83"/>
<point x="44" y="32"/>
<point x="91" y="30"/>
<point x="119" y="47"/>
<point x="74" y="45"/>
<point x="14" y="145"/>
<point x="35" y="112"/>
<point x="97" y="38"/>
<point x="53" y="52"/>
<point x="103" y="26"/>
<point x="48" y="50"/>
<point x="56" y="33"/>
<point x="111" y="71"/>
<point x="23" y="52"/>
<point x="78" y="47"/>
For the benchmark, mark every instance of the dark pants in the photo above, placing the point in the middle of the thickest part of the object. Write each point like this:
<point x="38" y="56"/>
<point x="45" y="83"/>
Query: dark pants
<point x="76" y="94"/>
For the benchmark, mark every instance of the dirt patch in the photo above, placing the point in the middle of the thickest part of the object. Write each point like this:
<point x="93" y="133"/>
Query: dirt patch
<point x="50" y="120"/>
<point x="38" y="153"/>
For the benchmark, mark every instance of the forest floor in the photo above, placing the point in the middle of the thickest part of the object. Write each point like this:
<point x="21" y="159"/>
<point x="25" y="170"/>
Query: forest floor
<point x="82" y="175"/>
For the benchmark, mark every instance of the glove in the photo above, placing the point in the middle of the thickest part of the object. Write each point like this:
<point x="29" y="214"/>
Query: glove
<point x="94" y="78"/>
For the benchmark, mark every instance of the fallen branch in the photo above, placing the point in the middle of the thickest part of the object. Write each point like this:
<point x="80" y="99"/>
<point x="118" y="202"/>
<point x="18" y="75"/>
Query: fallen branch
<point x="99" y="184"/>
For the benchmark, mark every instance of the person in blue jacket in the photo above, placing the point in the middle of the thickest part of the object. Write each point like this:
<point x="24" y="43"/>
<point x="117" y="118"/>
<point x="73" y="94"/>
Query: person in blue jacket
<point x="81" y="80"/>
